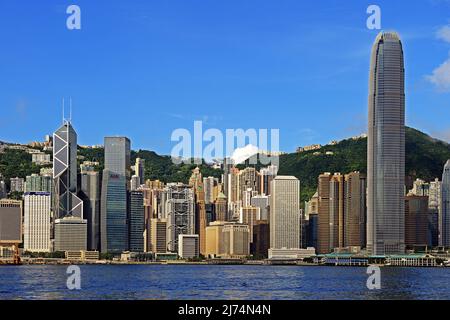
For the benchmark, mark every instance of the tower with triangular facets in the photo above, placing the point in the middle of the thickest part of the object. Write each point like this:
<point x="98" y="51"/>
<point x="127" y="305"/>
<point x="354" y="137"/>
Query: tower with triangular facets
<point x="67" y="203"/>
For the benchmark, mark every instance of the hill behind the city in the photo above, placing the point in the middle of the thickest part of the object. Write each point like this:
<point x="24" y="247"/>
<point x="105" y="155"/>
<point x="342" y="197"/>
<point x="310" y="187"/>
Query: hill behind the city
<point x="425" y="159"/>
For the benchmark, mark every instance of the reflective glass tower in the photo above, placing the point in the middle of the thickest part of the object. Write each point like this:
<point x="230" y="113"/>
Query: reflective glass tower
<point x="67" y="203"/>
<point x="114" y="203"/>
<point x="386" y="147"/>
<point x="444" y="215"/>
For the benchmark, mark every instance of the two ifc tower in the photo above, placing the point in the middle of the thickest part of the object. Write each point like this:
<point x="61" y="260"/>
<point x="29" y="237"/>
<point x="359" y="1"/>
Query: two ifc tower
<point x="385" y="152"/>
<point x="386" y="147"/>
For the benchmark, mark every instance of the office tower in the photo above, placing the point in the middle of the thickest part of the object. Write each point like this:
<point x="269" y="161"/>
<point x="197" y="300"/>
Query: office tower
<point x="188" y="245"/>
<point x="312" y="226"/>
<point x="434" y="193"/>
<point x="261" y="239"/>
<point x="416" y="221"/>
<point x="10" y="222"/>
<point x="386" y="147"/>
<point x="312" y="206"/>
<point x="113" y="213"/>
<point x="136" y="237"/>
<point x="16" y="184"/>
<point x="262" y="202"/>
<point x="67" y="202"/>
<point x="70" y="234"/>
<point x="236" y="240"/>
<point x="355" y="210"/>
<point x="37" y="211"/>
<point x="90" y="194"/>
<point x="214" y="241"/>
<point x="221" y="208"/>
<point x="267" y="175"/>
<point x="114" y="204"/>
<point x="434" y="208"/>
<point x="323" y="219"/>
<point x="180" y="213"/>
<point x="38" y="183"/>
<point x="248" y="178"/>
<point x="285" y="213"/>
<point x="249" y="216"/>
<point x="209" y="184"/>
<point x="117" y="156"/>
<point x="134" y="182"/>
<point x="158" y="235"/>
<point x="195" y="178"/>
<point x="233" y="181"/>
<point x="201" y="219"/>
<point x="227" y="167"/>
<point x="336" y="213"/>
<point x="247" y="197"/>
<point x="139" y="170"/>
<point x="210" y="212"/>
<point x="444" y="215"/>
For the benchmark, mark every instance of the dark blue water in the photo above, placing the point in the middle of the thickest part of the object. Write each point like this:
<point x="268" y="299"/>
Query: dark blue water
<point x="221" y="282"/>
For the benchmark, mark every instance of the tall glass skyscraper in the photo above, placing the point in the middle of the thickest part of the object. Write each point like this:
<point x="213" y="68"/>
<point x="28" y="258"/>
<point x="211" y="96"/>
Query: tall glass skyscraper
<point x="67" y="203"/>
<point x="114" y="204"/>
<point x="386" y="147"/>
<point x="444" y="214"/>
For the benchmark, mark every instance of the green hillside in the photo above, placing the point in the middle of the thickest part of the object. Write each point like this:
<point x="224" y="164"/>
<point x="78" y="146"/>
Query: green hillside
<point x="425" y="158"/>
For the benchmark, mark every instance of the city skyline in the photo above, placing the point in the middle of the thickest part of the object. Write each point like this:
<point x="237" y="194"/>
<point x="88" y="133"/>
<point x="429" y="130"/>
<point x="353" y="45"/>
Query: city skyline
<point x="198" y="92"/>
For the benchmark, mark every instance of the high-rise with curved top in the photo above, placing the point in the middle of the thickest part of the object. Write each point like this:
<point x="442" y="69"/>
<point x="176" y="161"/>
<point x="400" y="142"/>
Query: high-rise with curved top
<point x="386" y="147"/>
<point x="444" y="214"/>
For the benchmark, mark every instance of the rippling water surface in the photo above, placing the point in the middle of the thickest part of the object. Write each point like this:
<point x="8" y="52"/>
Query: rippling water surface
<point x="221" y="282"/>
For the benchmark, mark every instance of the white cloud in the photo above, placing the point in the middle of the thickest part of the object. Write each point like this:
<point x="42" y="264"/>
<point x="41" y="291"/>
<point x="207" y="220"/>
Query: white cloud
<point x="441" y="76"/>
<point x="444" y="33"/>
<point x="242" y="154"/>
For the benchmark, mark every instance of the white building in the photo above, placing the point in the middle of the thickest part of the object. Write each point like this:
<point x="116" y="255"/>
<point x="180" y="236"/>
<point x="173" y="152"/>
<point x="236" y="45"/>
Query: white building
<point x="41" y="158"/>
<point x="188" y="246"/>
<point x="37" y="208"/>
<point x="285" y="213"/>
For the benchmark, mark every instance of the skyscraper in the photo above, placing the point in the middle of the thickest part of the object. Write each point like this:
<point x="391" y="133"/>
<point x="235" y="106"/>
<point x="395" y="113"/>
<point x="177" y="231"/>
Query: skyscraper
<point x="67" y="202"/>
<point x="323" y="218"/>
<point x="444" y="215"/>
<point x="267" y="175"/>
<point x="355" y="210"/>
<point x="416" y="221"/>
<point x="114" y="204"/>
<point x="386" y="147"/>
<point x="117" y="156"/>
<point x="137" y="220"/>
<point x="180" y="213"/>
<point x="37" y="210"/>
<point x="90" y="193"/>
<point x="285" y="213"/>
<point x="139" y="170"/>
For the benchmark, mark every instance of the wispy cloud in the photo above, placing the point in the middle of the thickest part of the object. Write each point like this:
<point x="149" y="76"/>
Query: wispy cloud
<point x="444" y="33"/>
<point x="441" y="75"/>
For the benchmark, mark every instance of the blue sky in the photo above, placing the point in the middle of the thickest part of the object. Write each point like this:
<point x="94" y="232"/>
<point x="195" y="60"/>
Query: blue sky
<point x="145" y="68"/>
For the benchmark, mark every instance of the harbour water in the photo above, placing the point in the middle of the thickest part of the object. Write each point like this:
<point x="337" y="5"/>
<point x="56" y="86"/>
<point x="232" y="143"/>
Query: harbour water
<point x="221" y="282"/>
